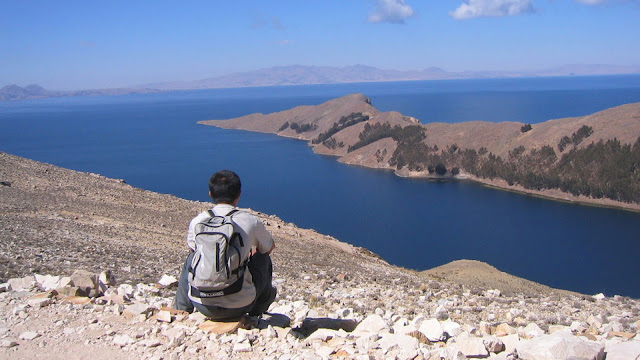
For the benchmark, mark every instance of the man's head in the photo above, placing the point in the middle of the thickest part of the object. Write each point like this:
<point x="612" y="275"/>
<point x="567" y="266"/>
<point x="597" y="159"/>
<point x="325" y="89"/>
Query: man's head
<point x="224" y="187"/>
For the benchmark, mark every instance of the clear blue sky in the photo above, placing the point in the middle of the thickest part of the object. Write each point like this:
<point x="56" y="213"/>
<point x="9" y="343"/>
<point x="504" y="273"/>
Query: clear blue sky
<point x="81" y="44"/>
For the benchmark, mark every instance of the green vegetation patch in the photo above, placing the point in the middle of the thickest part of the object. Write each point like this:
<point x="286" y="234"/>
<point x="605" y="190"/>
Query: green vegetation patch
<point x="344" y="122"/>
<point x="576" y="138"/>
<point x="300" y="128"/>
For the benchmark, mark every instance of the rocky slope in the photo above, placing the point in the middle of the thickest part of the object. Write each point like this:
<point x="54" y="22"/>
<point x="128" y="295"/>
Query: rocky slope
<point x="121" y="245"/>
<point x="520" y="148"/>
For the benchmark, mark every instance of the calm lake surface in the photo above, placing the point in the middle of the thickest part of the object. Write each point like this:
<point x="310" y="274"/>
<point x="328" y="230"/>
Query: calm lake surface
<point x="152" y="141"/>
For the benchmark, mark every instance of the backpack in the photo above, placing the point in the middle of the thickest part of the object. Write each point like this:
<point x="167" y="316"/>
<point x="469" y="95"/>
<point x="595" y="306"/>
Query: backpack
<point x="217" y="267"/>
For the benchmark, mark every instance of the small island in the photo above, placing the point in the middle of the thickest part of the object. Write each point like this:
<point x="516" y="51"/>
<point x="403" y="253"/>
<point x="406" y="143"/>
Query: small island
<point x="593" y="159"/>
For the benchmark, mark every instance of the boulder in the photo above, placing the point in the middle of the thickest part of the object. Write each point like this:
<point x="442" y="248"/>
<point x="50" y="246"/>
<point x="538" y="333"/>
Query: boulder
<point x="432" y="330"/>
<point x="402" y="342"/>
<point x="85" y="281"/>
<point x="560" y="346"/>
<point x="471" y="347"/>
<point x="372" y="323"/>
<point x="629" y="350"/>
<point x="22" y="284"/>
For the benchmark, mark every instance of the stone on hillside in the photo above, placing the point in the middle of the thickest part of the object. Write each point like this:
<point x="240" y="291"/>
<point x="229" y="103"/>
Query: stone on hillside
<point x="560" y="346"/>
<point x="471" y="347"/>
<point x="323" y="335"/>
<point x="68" y="291"/>
<point x="530" y="331"/>
<point x="123" y="340"/>
<point x="366" y="342"/>
<point x="432" y="330"/>
<point x="22" y="284"/>
<point x="77" y="300"/>
<point x="221" y="327"/>
<point x="599" y="296"/>
<point x="442" y="313"/>
<point x="4" y="287"/>
<point x="452" y="328"/>
<point x="105" y="279"/>
<point x="623" y="351"/>
<point x="168" y="281"/>
<point x="8" y="343"/>
<point x="136" y="309"/>
<point x="403" y="342"/>
<point x="510" y="342"/>
<point x="621" y="334"/>
<point x="595" y="321"/>
<point x="197" y="317"/>
<point x="176" y="336"/>
<point x="86" y="281"/>
<point x="493" y="344"/>
<point x="556" y="328"/>
<point x="164" y="316"/>
<point x="47" y="282"/>
<point x="484" y="328"/>
<point x="244" y="346"/>
<point x="28" y="335"/>
<point x="125" y="290"/>
<point x="372" y="323"/>
<point x="505" y="329"/>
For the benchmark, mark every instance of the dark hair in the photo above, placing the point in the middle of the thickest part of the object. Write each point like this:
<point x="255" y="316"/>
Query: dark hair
<point x="224" y="186"/>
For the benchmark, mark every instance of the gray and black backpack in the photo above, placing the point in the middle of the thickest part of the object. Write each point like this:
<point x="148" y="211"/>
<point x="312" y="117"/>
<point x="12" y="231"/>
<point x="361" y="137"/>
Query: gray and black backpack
<point x="217" y="268"/>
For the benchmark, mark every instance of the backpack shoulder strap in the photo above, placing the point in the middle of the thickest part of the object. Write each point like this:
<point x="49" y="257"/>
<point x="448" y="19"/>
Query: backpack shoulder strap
<point x="211" y="213"/>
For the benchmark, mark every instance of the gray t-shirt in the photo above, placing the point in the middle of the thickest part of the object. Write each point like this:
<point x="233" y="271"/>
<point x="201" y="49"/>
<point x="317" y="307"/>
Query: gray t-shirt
<point x="255" y="236"/>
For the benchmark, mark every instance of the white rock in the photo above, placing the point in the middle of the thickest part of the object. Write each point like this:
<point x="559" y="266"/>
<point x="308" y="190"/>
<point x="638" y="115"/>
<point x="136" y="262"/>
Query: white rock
<point x="138" y="309"/>
<point x="244" y="346"/>
<point x="493" y="344"/>
<point x="28" y="335"/>
<point x="432" y="330"/>
<point x="175" y="335"/>
<point x="403" y="342"/>
<point x="599" y="296"/>
<point x="560" y="346"/>
<point x="530" y="331"/>
<point x="323" y="335"/>
<point x="324" y="351"/>
<point x="372" y="323"/>
<point x="39" y="302"/>
<point x="367" y="342"/>
<point x="47" y="282"/>
<point x="623" y="351"/>
<point x="22" y="284"/>
<point x="168" y="280"/>
<point x="472" y="347"/>
<point x="8" y="343"/>
<point x="452" y="328"/>
<point x="125" y="290"/>
<point x="164" y="316"/>
<point x="510" y="342"/>
<point x="122" y="340"/>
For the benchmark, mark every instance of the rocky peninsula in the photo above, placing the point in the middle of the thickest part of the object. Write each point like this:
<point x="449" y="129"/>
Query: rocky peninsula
<point x="88" y="267"/>
<point x="593" y="159"/>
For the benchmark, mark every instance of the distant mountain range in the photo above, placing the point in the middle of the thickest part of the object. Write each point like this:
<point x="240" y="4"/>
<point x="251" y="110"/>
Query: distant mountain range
<point x="15" y="92"/>
<point x="304" y="75"/>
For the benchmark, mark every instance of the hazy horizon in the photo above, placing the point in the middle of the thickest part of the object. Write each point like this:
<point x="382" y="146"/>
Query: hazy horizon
<point x="77" y="45"/>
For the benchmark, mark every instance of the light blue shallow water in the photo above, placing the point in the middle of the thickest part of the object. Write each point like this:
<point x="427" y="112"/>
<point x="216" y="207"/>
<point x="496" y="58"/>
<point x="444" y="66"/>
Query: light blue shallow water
<point x="152" y="141"/>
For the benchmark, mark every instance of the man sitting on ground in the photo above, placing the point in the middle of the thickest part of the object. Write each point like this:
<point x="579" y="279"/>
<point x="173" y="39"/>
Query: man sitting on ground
<point x="251" y="294"/>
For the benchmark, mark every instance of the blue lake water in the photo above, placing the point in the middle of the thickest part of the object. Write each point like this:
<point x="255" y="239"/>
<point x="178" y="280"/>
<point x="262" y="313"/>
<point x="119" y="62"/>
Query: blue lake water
<point x="152" y="141"/>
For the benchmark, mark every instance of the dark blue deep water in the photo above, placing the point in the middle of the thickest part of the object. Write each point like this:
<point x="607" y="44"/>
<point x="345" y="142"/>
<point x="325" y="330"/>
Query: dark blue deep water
<point x="152" y="141"/>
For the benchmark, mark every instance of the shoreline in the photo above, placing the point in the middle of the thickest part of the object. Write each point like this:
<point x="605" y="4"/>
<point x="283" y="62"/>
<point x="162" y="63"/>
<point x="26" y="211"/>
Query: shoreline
<point x="497" y="184"/>
<point x="547" y="194"/>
